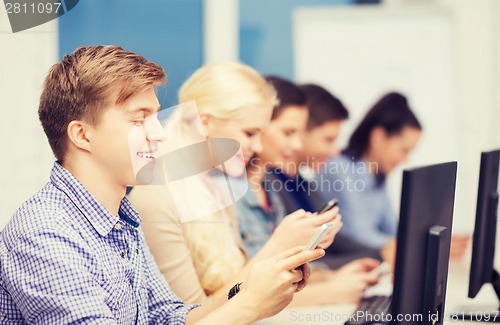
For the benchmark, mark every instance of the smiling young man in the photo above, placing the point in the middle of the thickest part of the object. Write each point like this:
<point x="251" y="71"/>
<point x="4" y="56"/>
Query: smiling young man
<point x="326" y="113"/>
<point x="74" y="252"/>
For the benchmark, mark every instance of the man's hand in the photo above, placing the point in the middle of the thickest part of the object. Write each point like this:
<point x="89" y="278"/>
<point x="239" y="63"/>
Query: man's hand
<point x="271" y="283"/>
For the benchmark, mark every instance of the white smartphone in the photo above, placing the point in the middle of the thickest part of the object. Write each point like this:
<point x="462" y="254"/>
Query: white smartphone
<point x="382" y="269"/>
<point x="318" y="236"/>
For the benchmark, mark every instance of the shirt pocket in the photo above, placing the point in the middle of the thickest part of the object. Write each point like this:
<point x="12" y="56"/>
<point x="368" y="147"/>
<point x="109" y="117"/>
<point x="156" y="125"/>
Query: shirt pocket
<point x="143" y="306"/>
<point x="120" y="299"/>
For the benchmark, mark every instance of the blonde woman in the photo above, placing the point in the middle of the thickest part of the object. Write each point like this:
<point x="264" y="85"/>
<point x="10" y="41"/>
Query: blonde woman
<point x="192" y="230"/>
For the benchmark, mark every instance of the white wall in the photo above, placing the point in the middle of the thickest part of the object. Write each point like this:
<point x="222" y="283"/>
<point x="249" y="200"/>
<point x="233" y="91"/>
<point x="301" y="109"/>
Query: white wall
<point x="478" y="41"/>
<point x="25" y="58"/>
<point x="221" y="31"/>
<point x="464" y="34"/>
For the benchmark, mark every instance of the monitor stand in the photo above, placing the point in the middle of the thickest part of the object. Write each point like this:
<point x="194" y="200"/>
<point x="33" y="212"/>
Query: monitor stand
<point x="436" y="274"/>
<point x="489" y="313"/>
<point x="481" y="313"/>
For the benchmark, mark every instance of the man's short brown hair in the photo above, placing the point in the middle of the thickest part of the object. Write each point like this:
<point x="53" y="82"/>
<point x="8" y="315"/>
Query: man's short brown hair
<point x="87" y="80"/>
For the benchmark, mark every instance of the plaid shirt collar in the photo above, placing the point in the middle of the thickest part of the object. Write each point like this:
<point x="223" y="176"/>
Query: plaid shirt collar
<point x="97" y="215"/>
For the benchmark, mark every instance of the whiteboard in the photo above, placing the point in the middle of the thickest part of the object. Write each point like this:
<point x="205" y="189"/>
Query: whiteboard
<point x="361" y="53"/>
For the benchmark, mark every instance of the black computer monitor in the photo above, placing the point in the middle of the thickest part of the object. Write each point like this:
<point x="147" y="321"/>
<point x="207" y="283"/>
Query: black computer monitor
<point x="482" y="270"/>
<point x="423" y="244"/>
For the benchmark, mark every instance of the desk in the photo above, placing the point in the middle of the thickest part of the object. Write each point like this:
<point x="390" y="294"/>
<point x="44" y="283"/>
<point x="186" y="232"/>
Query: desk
<point x="457" y="291"/>
<point x="456" y="296"/>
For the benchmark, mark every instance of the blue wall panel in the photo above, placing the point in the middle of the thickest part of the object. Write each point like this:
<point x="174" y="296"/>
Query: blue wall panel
<point x="166" y="32"/>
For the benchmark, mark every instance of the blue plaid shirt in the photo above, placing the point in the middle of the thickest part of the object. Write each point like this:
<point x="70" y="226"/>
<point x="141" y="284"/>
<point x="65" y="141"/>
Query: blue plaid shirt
<point x="65" y="259"/>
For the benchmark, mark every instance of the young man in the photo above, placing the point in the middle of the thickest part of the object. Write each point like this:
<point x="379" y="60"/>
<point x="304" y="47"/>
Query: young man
<point x="326" y="114"/>
<point x="300" y="189"/>
<point x="74" y="252"/>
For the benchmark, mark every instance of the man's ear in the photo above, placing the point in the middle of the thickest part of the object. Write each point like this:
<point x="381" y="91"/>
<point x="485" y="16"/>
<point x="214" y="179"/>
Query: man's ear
<point x="78" y="132"/>
<point x="206" y="123"/>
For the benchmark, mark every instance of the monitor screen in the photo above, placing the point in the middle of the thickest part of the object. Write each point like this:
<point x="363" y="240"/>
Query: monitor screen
<point x="483" y="246"/>
<point x="423" y="243"/>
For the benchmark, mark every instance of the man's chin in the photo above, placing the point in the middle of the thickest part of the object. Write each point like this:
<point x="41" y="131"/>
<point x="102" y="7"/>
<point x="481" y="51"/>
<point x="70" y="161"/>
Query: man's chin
<point x="145" y="174"/>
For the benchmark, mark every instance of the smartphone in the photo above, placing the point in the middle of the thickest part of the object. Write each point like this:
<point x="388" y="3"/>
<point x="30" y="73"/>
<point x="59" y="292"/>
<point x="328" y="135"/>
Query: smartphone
<point x="318" y="236"/>
<point x="382" y="269"/>
<point x="329" y="205"/>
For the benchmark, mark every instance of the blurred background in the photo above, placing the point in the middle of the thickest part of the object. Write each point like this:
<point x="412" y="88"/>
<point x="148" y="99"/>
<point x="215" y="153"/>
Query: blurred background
<point x="442" y="54"/>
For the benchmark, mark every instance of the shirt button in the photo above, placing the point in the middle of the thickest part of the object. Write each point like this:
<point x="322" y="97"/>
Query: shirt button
<point x="118" y="226"/>
<point x="123" y="255"/>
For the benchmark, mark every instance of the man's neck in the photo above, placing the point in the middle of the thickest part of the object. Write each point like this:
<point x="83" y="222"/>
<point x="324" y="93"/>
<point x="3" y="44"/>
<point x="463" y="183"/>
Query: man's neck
<point x="97" y="182"/>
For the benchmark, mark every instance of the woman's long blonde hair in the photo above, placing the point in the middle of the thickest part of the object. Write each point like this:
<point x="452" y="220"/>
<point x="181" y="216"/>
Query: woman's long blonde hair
<point x="220" y="90"/>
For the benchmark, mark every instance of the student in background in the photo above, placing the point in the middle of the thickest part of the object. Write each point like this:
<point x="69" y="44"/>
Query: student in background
<point x="299" y="189"/>
<point x="203" y="258"/>
<point x="383" y="140"/>
<point x="261" y="210"/>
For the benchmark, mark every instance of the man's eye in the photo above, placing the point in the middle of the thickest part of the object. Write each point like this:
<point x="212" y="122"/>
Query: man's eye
<point x="139" y="122"/>
<point x="330" y="140"/>
<point x="250" y="134"/>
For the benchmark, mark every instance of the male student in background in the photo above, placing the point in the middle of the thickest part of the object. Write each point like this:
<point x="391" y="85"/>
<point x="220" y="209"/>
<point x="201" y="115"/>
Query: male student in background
<point x="300" y="190"/>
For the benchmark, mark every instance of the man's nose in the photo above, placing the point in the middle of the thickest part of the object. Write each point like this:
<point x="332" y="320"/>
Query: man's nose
<point x="154" y="130"/>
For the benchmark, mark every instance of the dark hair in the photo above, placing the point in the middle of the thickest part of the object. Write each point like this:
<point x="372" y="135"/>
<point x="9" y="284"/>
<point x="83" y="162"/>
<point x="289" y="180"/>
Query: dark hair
<point x="288" y="93"/>
<point x="323" y="106"/>
<point x="391" y="113"/>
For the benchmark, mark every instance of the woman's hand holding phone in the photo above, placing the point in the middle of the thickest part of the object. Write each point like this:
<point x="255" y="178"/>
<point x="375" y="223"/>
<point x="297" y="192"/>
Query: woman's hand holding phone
<point x="318" y="236"/>
<point x="298" y="227"/>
